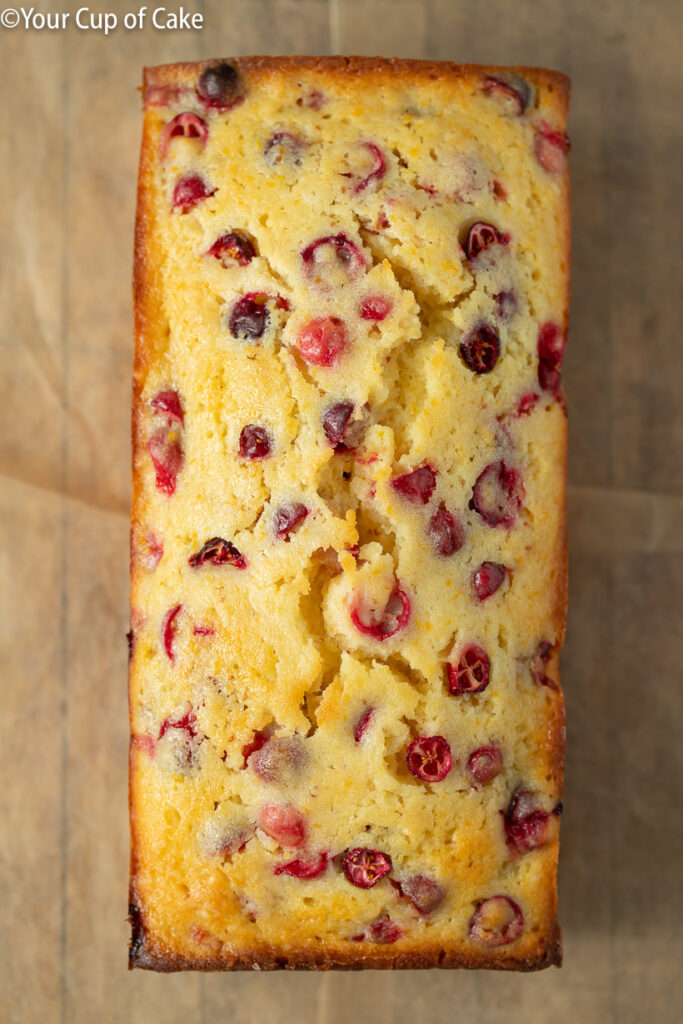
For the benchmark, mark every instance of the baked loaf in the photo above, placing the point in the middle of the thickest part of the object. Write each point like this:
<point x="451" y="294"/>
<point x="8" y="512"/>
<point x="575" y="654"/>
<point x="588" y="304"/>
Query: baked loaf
<point x="348" y="537"/>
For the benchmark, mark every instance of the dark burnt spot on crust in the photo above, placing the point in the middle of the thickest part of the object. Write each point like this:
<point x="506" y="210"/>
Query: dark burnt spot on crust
<point x="137" y="934"/>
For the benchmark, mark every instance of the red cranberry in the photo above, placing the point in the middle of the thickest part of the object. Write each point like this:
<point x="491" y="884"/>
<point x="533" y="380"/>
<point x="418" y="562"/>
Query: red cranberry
<point x="480" y="349"/>
<point x="279" y="759"/>
<point x="497" y="495"/>
<point x="167" y="456"/>
<point x="538" y="666"/>
<point x="314" y="100"/>
<point x="512" y="89"/>
<point x="233" y="249"/>
<point x="347" y="256"/>
<point x="309" y="867"/>
<point x="220" y="86"/>
<point x="283" y="148"/>
<point x="527" y="403"/>
<point x="551" y="148"/>
<point x="287" y="518"/>
<point x="323" y="340"/>
<point x="497" y="921"/>
<point x="375" y="307"/>
<point x="188" y="724"/>
<point x="204" y="631"/>
<point x="255" y="442"/>
<point x="188" y="125"/>
<point x="485" y="764"/>
<point x="382" y="931"/>
<point x="480" y="237"/>
<point x="487" y="579"/>
<point x="383" y="623"/>
<point x="379" y="167"/>
<point x="249" y="317"/>
<point x="471" y="674"/>
<point x="506" y="305"/>
<point x="167" y="403"/>
<point x="364" y="867"/>
<point x="417" y="486"/>
<point x="551" y="343"/>
<point x="424" y="893"/>
<point x="285" y="824"/>
<point x="445" y="532"/>
<point x="429" y="758"/>
<point x="362" y="724"/>
<point x="257" y="741"/>
<point x="335" y="421"/>
<point x="152" y="551"/>
<point x="168" y="631"/>
<point x="526" y="825"/>
<point x="189" y="191"/>
<point x="218" y="552"/>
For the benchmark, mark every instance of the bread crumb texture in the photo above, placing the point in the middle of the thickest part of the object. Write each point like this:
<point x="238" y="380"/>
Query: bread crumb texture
<point x="348" y="543"/>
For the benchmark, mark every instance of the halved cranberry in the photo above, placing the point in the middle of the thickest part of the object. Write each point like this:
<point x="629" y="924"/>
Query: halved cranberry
<point x="257" y="741"/>
<point x="285" y="824"/>
<point x="551" y="343"/>
<point x="485" y="764"/>
<point x="218" y="552"/>
<point x="335" y="421"/>
<point x="233" y="249"/>
<point x="364" y="867"/>
<point x="488" y="578"/>
<point x="284" y="148"/>
<point x="189" y="191"/>
<point x="446" y="533"/>
<point x="424" y="893"/>
<point x="378" y="169"/>
<point x="168" y="631"/>
<point x="188" y="125"/>
<point x="429" y="758"/>
<point x="551" y="148"/>
<point x="249" y="317"/>
<point x="382" y="623"/>
<point x="497" y="495"/>
<point x="322" y="341"/>
<point x="538" y="665"/>
<point x="506" y="305"/>
<point x="383" y="931"/>
<point x="255" y="442"/>
<point x="305" y="867"/>
<point x="167" y="403"/>
<point x="480" y="237"/>
<point x="279" y="759"/>
<point x="512" y="89"/>
<point x="220" y="86"/>
<point x="480" y="349"/>
<point x="416" y="486"/>
<point x="287" y="518"/>
<point x="497" y="921"/>
<point x="188" y="724"/>
<point x="344" y="255"/>
<point x="167" y="456"/>
<point x="527" y="826"/>
<point x="152" y="550"/>
<point x="375" y="307"/>
<point x="362" y="724"/>
<point x="471" y="674"/>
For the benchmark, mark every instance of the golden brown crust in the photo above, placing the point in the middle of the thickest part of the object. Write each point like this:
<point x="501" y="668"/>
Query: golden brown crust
<point x="144" y="952"/>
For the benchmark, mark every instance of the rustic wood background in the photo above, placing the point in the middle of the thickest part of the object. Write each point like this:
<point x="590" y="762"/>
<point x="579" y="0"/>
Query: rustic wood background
<point x="69" y="134"/>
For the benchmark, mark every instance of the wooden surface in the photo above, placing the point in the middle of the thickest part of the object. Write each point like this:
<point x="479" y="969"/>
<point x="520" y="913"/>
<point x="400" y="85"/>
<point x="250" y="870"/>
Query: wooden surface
<point x="69" y="125"/>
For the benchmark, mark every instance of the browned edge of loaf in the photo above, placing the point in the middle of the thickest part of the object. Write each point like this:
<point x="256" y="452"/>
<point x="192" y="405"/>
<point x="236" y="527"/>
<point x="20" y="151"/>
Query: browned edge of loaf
<point x="143" y="951"/>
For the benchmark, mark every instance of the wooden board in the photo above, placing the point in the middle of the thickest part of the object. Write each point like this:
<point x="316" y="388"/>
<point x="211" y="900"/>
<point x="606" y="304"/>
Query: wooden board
<point x="70" y="129"/>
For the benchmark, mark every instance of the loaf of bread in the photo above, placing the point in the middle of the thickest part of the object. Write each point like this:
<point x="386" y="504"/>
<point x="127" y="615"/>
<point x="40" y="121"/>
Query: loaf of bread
<point x="348" y="532"/>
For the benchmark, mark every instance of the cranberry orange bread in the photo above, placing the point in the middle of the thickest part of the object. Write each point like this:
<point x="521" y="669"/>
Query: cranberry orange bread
<point x="348" y="540"/>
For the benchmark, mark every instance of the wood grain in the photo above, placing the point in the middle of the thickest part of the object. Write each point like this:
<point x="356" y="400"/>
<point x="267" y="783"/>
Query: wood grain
<point x="70" y="129"/>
